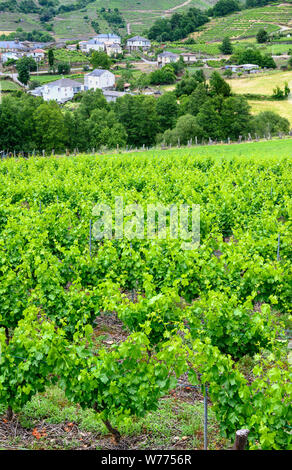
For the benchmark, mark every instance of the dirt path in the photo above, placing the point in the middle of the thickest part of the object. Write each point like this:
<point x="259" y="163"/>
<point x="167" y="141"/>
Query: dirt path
<point x="161" y="12"/>
<point x="178" y="6"/>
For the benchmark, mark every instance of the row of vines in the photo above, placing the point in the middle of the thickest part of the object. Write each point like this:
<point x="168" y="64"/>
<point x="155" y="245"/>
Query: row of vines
<point x="204" y="312"/>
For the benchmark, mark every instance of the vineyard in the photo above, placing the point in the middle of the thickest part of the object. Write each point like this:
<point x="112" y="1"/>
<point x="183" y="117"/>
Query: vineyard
<point x="248" y="22"/>
<point x="214" y="317"/>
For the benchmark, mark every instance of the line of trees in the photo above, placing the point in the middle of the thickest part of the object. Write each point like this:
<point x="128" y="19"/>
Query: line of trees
<point x="178" y="26"/>
<point x="33" y="36"/>
<point x="253" y="56"/>
<point x="194" y="109"/>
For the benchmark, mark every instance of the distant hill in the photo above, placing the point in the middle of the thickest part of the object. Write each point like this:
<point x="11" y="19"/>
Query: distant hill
<point x="67" y="19"/>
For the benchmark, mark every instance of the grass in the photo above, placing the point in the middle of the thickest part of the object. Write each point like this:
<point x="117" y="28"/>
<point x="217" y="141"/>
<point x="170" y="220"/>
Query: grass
<point x="7" y="85"/>
<point x="51" y="78"/>
<point x="65" y="55"/>
<point x="175" y="424"/>
<point x="284" y="108"/>
<point x="262" y="83"/>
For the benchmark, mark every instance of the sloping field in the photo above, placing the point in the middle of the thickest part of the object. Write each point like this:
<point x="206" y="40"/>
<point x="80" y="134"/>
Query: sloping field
<point x="76" y="24"/>
<point x="248" y="22"/>
<point x="262" y="83"/>
<point x="284" y="108"/>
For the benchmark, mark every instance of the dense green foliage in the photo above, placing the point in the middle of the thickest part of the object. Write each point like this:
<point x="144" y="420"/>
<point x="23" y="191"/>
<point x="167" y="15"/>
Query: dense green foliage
<point x="262" y="36"/>
<point x="199" y="311"/>
<point x="100" y="60"/>
<point x="203" y="110"/>
<point x="253" y="56"/>
<point x="178" y="26"/>
<point x="226" y="46"/>
<point x="224" y="7"/>
<point x="24" y="66"/>
<point x="113" y="17"/>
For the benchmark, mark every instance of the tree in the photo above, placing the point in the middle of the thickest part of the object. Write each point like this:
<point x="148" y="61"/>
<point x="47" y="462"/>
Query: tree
<point x="226" y="46"/>
<point x="167" y="111"/>
<point x="262" y="36"/>
<point x="249" y="56"/>
<point x="210" y="120"/>
<point x="253" y="56"/>
<point x="188" y="84"/>
<point x="236" y="117"/>
<point x="270" y="122"/>
<point x="165" y="75"/>
<point x="227" y="73"/>
<point x="24" y="66"/>
<point x="105" y="130"/>
<point x="142" y="81"/>
<point x="91" y="100"/>
<point x="63" y="68"/>
<point x="51" y="57"/>
<point x="179" y="26"/>
<point x="225" y="7"/>
<point x="218" y="86"/>
<point x="138" y="115"/>
<point x="49" y="127"/>
<point x="187" y="128"/>
<point x="100" y="60"/>
<point x="268" y="62"/>
<point x="196" y="100"/>
<point x="76" y="131"/>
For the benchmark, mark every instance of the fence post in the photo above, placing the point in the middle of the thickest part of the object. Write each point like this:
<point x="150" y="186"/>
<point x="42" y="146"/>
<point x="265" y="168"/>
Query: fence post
<point x="90" y="236"/>
<point x="206" y="419"/>
<point x="240" y="439"/>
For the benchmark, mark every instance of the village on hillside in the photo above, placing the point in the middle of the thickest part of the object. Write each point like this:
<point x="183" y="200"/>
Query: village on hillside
<point x="136" y="55"/>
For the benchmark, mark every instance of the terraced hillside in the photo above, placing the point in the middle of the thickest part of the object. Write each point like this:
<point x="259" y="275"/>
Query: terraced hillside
<point x="248" y="22"/>
<point x="138" y="15"/>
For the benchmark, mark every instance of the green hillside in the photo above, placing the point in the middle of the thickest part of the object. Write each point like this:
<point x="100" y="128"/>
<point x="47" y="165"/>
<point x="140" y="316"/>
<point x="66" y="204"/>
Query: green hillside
<point x="247" y="23"/>
<point x="138" y="15"/>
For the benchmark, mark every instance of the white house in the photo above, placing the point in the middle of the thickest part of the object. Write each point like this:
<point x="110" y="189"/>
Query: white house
<point x="108" y="39"/>
<point x="112" y="95"/>
<point x="61" y="90"/>
<point x="167" y="58"/>
<point x="5" y="56"/>
<point x="71" y="47"/>
<point x="138" y="42"/>
<point x="249" y="68"/>
<point x="94" y="45"/>
<point x="99" y="78"/>
<point x="114" y="50"/>
<point x="83" y="46"/>
<point x="189" y="58"/>
<point x="37" y="54"/>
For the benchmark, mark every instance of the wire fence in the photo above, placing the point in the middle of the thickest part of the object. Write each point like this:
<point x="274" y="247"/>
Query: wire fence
<point x="6" y="153"/>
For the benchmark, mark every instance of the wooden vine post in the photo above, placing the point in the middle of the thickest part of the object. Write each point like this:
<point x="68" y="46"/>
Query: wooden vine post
<point x="240" y="439"/>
